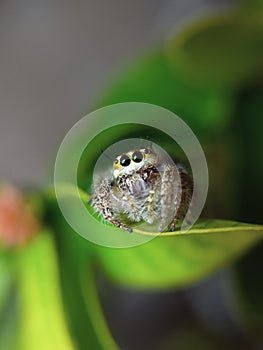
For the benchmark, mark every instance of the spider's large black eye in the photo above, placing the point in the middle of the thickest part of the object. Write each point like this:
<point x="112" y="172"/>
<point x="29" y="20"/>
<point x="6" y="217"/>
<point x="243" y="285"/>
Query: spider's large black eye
<point x="137" y="157"/>
<point x="125" y="160"/>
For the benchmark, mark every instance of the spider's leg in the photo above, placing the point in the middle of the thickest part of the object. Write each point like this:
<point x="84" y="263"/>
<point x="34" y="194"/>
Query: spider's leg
<point x="170" y="194"/>
<point x="152" y="198"/>
<point x="101" y="202"/>
<point x="186" y="196"/>
<point x="150" y="206"/>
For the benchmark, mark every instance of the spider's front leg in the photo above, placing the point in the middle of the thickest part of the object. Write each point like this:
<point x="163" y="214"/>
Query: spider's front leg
<point x="102" y="203"/>
<point x="186" y="197"/>
<point x="150" y="203"/>
<point x="171" y="191"/>
<point x="186" y="185"/>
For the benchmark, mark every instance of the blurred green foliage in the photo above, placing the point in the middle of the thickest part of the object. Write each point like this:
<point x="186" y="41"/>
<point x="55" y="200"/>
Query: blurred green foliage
<point x="223" y="51"/>
<point x="152" y="80"/>
<point x="42" y="323"/>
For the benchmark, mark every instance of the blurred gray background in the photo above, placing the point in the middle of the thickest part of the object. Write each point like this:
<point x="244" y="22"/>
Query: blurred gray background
<point x="56" y="58"/>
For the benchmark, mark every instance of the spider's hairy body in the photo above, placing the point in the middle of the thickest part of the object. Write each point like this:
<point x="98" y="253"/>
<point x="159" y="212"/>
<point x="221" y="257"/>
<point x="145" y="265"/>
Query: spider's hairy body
<point x="143" y="187"/>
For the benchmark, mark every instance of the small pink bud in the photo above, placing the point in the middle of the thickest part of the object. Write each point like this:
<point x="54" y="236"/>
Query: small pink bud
<point x="17" y="222"/>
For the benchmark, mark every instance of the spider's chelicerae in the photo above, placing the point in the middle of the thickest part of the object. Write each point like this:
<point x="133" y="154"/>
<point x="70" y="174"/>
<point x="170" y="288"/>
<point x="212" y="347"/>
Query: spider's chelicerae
<point x="143" y="186"/>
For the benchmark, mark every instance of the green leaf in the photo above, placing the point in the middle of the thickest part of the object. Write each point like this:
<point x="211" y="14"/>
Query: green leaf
<point x="173" y="259"/>
<point x="78" y="281"/>
<point x="252" y="5"/>
<point x="90" y="293"/>
<point x="6" y="278"/>
<point x="222" y="50"/>
<point x="152" y="80"/>
<point x="8" y="323"/>
<point x="178" y="259"/>
<point x="79" y="290"/>
<point x="42" y="324"/>
<point x="8" y="307"/>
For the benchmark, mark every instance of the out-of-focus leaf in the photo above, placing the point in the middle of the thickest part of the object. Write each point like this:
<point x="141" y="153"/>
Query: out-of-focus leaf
<point x="224" y="50"/>
<point x="253" y="5"/>
<point x="8" y="310"/>
<point x="6" y="278"/>
<point x="152" y="80"/>
<point x="177" y="259"/>
<point x="8" y="322"/>
<point x="42" y="324"/>
<point x="8" y="305"/>
<point x="173" y="259"/>
<point x="78" y="279"/>
<point x="93" y="305"/>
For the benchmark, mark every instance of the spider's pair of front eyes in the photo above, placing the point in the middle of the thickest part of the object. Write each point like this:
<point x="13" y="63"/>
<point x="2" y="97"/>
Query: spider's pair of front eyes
<point x="125" y="160"/>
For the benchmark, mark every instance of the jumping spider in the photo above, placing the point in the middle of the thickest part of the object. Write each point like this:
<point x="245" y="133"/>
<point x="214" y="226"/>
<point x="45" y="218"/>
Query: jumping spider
<point x="143" y="186"/>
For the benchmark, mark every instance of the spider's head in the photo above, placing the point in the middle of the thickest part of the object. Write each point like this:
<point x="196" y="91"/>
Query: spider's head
<point x="135" y="160"/>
